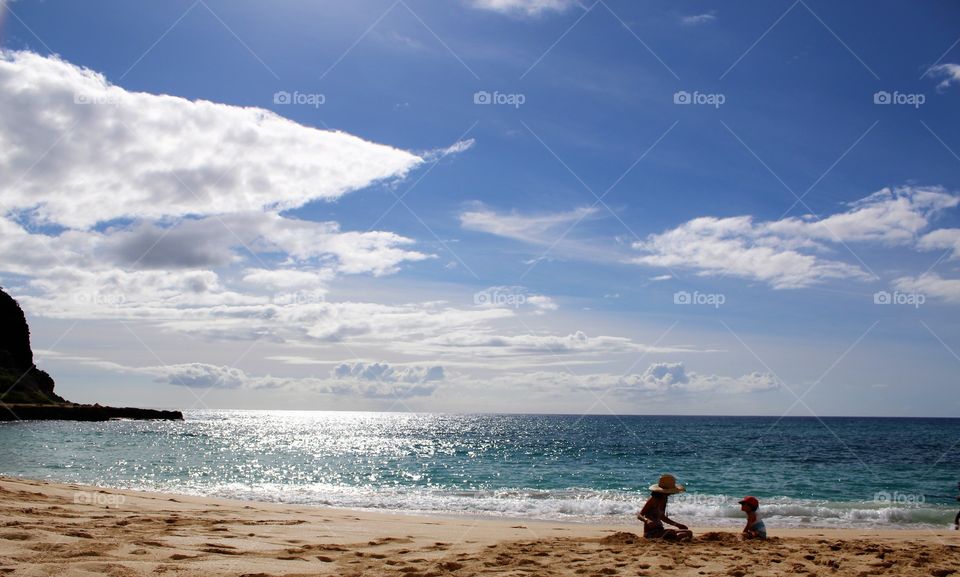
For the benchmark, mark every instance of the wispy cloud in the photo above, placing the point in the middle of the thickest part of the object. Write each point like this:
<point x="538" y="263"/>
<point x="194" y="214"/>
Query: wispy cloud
<point x="524" y="7"/>
<point x="697" y="19"/>
<point x="949" y="72"/>
<point x="453" y="149"/>
<point x="544" y="228"/>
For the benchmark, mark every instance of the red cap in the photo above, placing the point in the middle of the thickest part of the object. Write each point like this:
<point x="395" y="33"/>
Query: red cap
<point x="752" y="501"/>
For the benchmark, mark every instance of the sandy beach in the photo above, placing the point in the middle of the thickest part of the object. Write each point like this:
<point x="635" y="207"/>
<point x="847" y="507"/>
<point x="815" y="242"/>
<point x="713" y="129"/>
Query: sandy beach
<point x="59" y="529"/>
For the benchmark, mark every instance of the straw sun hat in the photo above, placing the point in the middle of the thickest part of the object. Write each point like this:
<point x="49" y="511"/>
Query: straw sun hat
<point x="668" y="484"/>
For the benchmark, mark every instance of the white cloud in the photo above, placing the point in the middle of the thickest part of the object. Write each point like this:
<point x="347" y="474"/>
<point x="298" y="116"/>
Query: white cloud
<point x="199" y="375"/>
<point x="453" y="149"/>
<point x="79" y="151"/>
<point x="160" y="251"/>
<point x="542" y="303"/>
<point x="696" y="19"/>
<point x="527" y="7"/>
<point x="208" y="243"/>
<point x="731" y="247"/>
<point x="930" y="285"/>
<point x="672" y="377"/>
<point x="513" y="297"/>
<point x="578" y="343"/>
<point x="658" y="380"/>
<point x="788" y="253"/>
<point x="537" y="229"/>
<point x="888" y="216"/>
<point x="943" y="239"/>
<point x="288" y="279"/>
<point x="949" y="72"/>
<point x="384" y="372"/>
<point x="373" y="380"/>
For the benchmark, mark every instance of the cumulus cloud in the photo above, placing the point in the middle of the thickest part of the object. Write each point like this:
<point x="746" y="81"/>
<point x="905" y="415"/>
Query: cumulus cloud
<point x="930" y="285"/>
<point x="525" y="7"/>
<point x="949" y="72"/>
<point x="288" y="279"/>
<point x="368" y="380"/>
<point x="79" y="151"/>
<point x="158" y="209"/>
<point x="199" y="375"/>
<point x="207" y="243"/>
<point x="788" y="253"/>
<point x="672" y="377"/>
<point x="943" y="239"/>
<point x="542" y="303"/>
<point x="194" y="244"/>
<point x="386" y="373"/>
<point x="888" y="216"/>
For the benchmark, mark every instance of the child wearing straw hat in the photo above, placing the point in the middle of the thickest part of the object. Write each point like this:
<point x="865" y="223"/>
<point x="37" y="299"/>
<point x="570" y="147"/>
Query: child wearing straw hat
<point x="654" y="512"/>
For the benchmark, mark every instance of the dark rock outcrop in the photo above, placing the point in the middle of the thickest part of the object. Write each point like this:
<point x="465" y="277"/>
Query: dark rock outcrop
<point x="26" y="392"/>
<point x="71" y="412"/>
<point x="20" y="380"/>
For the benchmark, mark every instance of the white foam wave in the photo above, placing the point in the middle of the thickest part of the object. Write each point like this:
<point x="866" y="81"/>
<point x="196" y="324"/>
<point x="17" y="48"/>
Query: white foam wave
<point x="584" y="505"/>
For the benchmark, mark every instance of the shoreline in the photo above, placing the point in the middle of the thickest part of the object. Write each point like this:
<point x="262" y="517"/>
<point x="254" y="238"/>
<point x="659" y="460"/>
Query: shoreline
<point x="624" y="519"/>
<point x="72" y="529"/>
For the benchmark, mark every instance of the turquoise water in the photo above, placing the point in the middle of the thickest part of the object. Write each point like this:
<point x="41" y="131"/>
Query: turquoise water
<point x="849" y="472"/>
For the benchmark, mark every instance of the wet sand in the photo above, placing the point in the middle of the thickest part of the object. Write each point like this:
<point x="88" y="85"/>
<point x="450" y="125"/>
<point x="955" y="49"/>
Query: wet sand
<point x="74" y="530"/>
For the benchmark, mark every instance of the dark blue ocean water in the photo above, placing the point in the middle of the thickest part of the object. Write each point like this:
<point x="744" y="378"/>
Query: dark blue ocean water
<point x="806" y="471"/>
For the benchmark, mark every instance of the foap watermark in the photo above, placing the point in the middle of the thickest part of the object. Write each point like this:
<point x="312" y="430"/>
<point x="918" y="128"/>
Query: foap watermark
<point x="696" y="97"/>
<point x="516" y="99"/>
<point x="915" y="100"/>
<point x="899" y="298"/>
<point x="297" y="298"/>
<point x="898" y="498"/>
<point x="314" y="99"/>
<point x="107" y="99"/>
<point x="99" y="499"/>
<point x="701" y="500"/>
<point x="499" y="297"/>
<point x="698" y="298"/>
<point x="99" y="299"/>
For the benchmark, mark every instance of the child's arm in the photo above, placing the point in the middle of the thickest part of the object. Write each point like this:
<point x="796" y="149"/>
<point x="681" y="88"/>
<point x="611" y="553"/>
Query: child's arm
<point x="670" y="521"/>
<point x="751" y="519"/>
<point x="644" y="513"/>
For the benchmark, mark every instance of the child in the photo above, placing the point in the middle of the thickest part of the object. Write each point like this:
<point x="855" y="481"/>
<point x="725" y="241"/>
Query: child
<point x="755" y="528"/>
<point x="654" y="512"/>
<point x="956" y="520"/>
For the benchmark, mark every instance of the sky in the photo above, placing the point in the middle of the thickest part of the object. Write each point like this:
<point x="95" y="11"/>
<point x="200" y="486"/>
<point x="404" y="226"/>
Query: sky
<point x="546" y="206"/>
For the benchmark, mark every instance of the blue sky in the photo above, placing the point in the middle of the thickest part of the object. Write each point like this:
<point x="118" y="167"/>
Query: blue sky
<point x="387" y="240"/>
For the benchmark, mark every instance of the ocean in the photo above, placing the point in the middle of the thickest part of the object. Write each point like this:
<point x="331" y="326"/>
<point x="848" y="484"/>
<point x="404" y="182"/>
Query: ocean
<point x="807" y="472"/>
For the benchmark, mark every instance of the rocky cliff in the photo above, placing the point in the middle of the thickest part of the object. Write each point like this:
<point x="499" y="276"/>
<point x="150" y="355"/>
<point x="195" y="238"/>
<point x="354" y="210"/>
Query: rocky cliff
<point x="20" y="380"/>
<point x="26" y="392"/>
